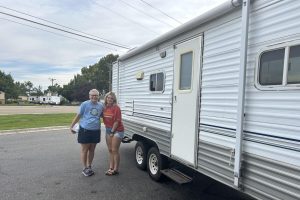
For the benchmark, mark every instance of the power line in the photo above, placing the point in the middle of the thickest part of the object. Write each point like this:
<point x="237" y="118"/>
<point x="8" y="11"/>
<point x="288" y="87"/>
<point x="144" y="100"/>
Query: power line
<point x="59" y="29"/>
<point x="56" y="23"/>
<point x="58" y="34"/>
<point x="161" y="11"/>
<point x="139" y="10"/>
<point x="124" y="17"/>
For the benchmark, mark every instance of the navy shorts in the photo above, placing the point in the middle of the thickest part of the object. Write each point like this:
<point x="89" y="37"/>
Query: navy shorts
<point x="86" y="136"/>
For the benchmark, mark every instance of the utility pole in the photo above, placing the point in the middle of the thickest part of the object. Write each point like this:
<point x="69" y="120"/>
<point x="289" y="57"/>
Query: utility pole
<point x="52" y="79"/>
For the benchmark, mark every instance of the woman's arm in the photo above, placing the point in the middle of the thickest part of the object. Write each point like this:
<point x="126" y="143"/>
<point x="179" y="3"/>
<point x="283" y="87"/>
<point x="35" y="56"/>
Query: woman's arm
<point x="115" y="126"/>
<point x="75" y="120"/>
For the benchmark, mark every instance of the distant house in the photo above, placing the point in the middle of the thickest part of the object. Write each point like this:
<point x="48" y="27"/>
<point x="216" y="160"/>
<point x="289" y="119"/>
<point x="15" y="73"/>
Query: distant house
<point x="23" y="98"/>
<point x="2" y="97"/>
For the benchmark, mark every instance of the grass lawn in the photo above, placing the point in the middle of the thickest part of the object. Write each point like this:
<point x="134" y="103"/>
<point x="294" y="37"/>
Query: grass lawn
<point x="8" y="122"/>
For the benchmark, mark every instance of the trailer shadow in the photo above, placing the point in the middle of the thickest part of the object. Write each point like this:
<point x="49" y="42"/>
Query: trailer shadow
<point x="201" y="187"/>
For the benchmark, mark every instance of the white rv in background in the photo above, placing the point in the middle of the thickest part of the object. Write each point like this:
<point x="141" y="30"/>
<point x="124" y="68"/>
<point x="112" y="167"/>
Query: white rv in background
<point x="221" y="95"/>
<point x="55" y="100"/>
<point x="52" y="100"/>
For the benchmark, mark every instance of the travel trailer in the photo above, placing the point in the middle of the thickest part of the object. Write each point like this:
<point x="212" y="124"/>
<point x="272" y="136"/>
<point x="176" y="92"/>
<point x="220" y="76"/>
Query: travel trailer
<point x="55" y="100"/>
<point x="221" y="95"/>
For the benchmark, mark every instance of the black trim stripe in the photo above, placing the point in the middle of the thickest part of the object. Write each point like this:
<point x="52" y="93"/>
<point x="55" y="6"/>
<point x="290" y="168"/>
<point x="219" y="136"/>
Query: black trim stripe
<point x="254" y="133"/>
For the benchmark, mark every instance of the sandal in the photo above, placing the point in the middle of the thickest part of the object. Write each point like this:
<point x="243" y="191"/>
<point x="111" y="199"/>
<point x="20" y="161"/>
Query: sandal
<point x="109" y="171"/>
<point x="112" y="173"/>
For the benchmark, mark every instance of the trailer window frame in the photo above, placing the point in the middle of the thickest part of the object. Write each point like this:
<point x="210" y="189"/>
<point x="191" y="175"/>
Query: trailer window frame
<point x="162" y="83"/>
<point x="287" y="60"/>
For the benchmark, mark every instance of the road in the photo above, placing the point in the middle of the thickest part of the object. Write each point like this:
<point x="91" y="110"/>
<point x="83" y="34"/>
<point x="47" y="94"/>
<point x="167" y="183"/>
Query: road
<point x="43" y="109"/>
<point x="45" y="165"/>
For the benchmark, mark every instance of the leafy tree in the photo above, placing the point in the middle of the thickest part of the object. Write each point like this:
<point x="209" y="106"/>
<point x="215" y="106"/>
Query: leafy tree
<point x="93" y="76"/>
<point x="36" y="91"/>
<point x="29" y="87"/>
<point x="21" y="88"/>
<point x="7" y="85"/>
<point x="55" y="89"/>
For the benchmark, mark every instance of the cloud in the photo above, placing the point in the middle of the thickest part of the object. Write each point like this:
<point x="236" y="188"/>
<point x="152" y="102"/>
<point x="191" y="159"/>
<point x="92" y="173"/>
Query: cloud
<point x="29" y="53"/>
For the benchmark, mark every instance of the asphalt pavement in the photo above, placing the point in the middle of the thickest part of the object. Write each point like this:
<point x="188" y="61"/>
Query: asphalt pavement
<point x="46" y="165"/>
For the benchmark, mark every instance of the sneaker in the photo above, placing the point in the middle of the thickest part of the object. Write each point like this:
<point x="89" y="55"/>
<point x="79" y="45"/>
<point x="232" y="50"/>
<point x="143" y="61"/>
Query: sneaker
<point x="91" y="172"/>
<point x="85" y="172"/>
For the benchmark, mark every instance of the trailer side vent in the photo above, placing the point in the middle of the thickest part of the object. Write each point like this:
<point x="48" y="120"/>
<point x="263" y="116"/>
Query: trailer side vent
<point x="163" y="54"/>
<point x="139" y="75"/>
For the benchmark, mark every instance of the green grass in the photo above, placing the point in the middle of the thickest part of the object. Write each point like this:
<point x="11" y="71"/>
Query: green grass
<point x="9" y="122"/>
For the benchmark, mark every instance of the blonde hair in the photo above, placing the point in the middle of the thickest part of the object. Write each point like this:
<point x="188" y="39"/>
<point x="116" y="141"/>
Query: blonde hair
<point x="113" y="95"/>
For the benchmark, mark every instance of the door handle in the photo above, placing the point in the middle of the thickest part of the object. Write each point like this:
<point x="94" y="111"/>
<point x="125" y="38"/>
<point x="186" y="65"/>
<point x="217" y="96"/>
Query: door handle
<point x="175" y="99"/>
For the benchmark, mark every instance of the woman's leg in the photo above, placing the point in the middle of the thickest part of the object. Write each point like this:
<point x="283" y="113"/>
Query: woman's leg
<point x="84" y="154"/>
<point x="91" y="153"/>
<point x="116" y="141"/>
<point x="109" y="147"/>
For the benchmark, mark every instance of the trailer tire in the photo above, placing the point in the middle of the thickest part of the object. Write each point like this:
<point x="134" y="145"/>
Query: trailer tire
<point x="141" y="150"/>
<point x="155" y="163"/>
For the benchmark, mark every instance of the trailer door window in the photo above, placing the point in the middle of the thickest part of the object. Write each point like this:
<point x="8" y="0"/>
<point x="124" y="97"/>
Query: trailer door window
<point x="157" y="82"/>
<point x="186" y="71"/>
<point x="279" y="68"/>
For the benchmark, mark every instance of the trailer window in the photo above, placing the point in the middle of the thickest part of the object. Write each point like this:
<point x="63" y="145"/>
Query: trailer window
<point x="271" y="67"/>
<point x="293" y="75"/>
<point x="279" y="68"/>
<point x="186" y="71"/>
<point x="157" y="82"/>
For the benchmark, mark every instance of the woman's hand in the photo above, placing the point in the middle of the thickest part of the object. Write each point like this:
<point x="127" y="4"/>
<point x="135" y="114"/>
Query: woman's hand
<point x="72" y="130"/>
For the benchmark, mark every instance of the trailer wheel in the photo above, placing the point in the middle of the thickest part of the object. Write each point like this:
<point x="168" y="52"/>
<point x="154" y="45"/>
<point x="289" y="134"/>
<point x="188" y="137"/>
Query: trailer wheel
<point x="155" y="163"/>
<point x="141" y="155"/>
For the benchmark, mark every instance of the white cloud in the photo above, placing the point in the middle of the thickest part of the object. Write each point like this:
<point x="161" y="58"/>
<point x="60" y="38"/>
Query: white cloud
<point x="32" y="54"/>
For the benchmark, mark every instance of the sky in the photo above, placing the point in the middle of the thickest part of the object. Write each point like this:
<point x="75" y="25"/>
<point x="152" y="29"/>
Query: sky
<point x="33" y="52"/>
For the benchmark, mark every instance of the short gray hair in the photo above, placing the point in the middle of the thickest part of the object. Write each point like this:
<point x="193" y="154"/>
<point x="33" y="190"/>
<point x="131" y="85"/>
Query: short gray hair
<point x="94" y="91"/>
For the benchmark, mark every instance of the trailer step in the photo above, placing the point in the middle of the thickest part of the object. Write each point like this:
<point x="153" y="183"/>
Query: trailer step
<point x="177" y="176"/>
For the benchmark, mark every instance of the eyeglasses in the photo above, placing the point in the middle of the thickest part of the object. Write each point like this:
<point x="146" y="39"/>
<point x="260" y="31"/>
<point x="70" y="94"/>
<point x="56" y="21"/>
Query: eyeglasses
<point x="94" y="95"/>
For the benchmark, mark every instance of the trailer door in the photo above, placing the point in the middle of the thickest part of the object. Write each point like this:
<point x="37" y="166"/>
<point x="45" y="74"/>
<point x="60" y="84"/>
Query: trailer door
<point x="186" y="101"/>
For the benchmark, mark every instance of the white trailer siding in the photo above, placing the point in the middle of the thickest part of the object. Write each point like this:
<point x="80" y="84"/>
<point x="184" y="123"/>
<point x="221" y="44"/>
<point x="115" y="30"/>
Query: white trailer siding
<point x="115" y="78"/>
<point x="271" y="142"/>
<point x="147" y="104"/>
<point x="145" y="111"/>
<point x="271" y="131"/>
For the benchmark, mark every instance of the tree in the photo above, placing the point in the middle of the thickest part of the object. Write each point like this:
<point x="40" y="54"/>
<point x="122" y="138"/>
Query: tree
<point x="93" y="76"/>
<point x="29" y="87"/>
<point x="7" y="85"/>
<point x="55" y="89"/>
<point x="36" y="91"/>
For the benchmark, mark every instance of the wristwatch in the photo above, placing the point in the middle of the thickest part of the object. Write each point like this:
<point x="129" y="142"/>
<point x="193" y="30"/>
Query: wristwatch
<point x="112" y="132"/>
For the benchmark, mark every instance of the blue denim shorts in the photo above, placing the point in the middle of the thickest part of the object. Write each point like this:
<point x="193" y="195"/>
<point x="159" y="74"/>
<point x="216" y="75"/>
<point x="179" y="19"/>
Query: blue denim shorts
<point x="118" y="134"/>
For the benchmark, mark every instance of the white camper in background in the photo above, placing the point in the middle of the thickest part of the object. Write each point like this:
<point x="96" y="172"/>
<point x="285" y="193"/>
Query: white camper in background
<point x="44" y="99"/>
<point x="33" y="99"/>
<point x="221" y="95"/>
<point x="55" y="100"/>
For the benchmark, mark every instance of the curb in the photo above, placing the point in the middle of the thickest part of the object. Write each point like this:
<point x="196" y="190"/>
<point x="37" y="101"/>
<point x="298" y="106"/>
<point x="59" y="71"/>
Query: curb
<point x="32" y="130"/>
